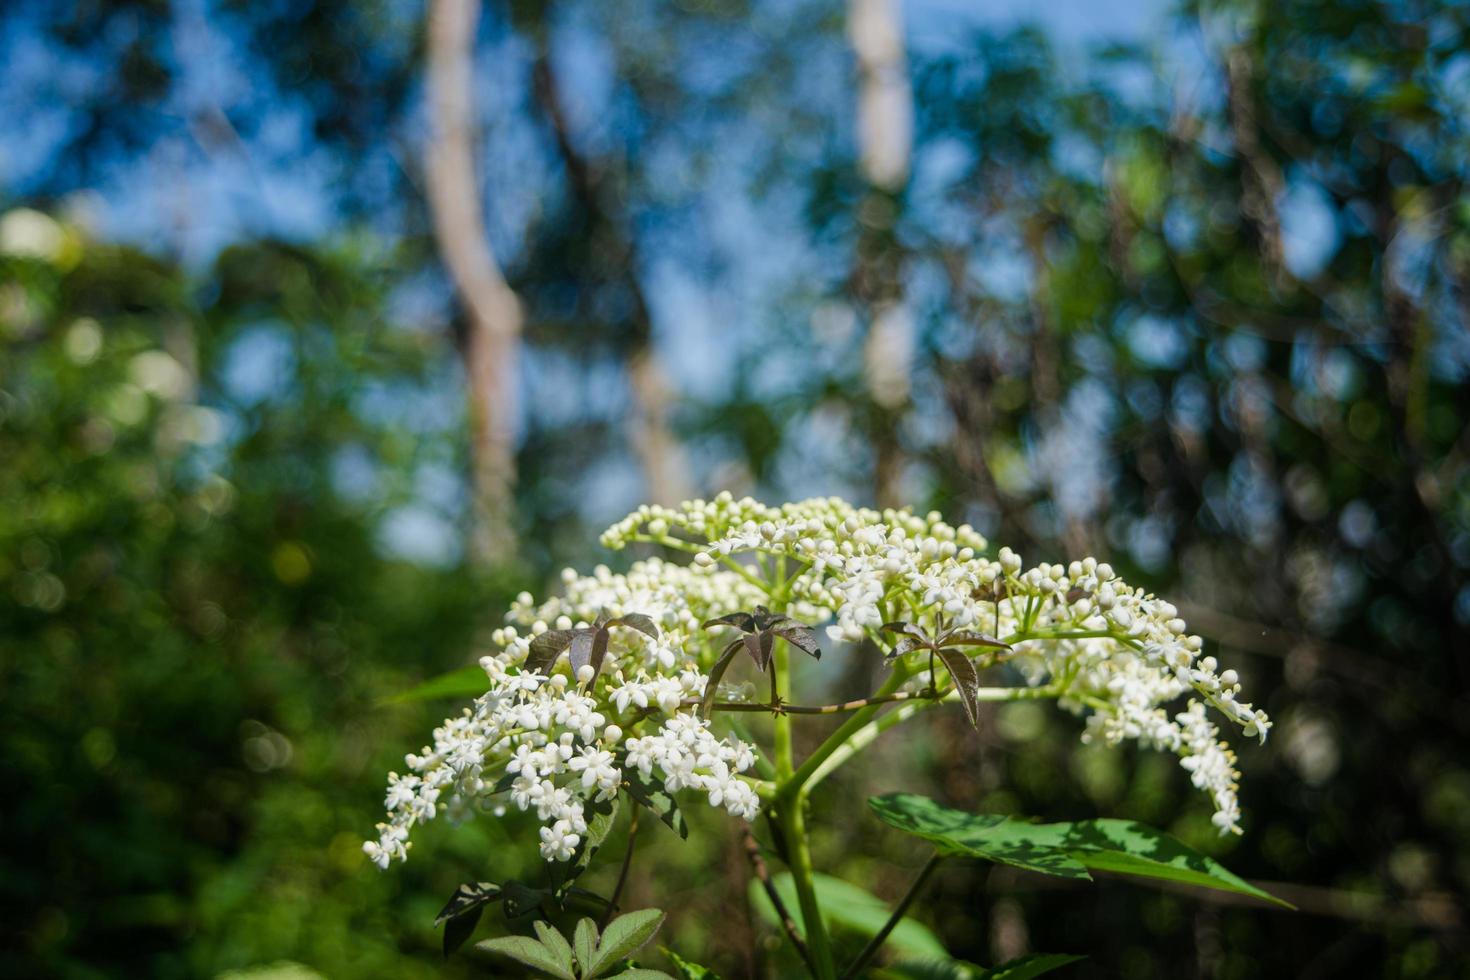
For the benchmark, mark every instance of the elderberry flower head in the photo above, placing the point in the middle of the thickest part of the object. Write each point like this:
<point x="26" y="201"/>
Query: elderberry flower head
<point x="557" y="740"/>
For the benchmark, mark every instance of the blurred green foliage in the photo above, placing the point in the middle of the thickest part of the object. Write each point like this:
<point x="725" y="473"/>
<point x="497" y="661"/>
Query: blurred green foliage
<point x="197" y="620"/>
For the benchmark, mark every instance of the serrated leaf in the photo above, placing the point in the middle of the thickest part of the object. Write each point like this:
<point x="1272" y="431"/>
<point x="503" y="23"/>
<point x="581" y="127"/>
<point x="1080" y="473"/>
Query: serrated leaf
<point x="525" y="950"/>
<point x="584" y="943"/>
<point x="905" y="646"/>
<point x="988" y="836"/>
<point x="545" y="648"/>
<point x="557" y="944"/>
<point x="466" y="682"/>
<point x="966" y="681"/>
<point x="905" y="629"/>
<point x="804" y="638"/>
<point x="1064" y="849"/>
<point x="466" y="897"/>
<point x="639" y="973"/>
<point x="688" y="970"/>
<point x="657" y="800"/>
<point x="624" y="936"/>
<point x="851" y="907"/>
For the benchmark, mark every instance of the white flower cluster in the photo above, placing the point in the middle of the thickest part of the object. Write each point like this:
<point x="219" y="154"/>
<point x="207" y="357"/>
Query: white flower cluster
<point x="691" y="758"/>
<point x="551" y="744"/>
<point x="554" y="743"/>
<point x="1108" y="649"/>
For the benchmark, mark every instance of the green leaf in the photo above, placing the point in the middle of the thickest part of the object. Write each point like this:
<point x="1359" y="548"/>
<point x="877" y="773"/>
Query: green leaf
<point x="624" y="936"/>
<point x="688" y="970"/>
<point x="1066" y="850"/>
<point x="467" y="682"/>
<point x="556" y="943"/>
<point x="584" y="943"/>
<point x="524" y="949"/>
<point x="657" y="800"/>
<point x="638" y="973"/>
<point x="848" y="906"/>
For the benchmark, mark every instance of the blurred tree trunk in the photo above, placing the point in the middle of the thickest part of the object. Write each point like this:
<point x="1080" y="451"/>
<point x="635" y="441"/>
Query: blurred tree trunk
<point x="886" y="137"/>
<point x="491" y="331"/>
<point x="665" y="469"/>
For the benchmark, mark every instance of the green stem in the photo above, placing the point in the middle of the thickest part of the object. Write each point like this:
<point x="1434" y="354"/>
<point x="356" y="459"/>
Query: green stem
<point x="617" y="894"/>
<point x="745" y="573"/>
<point x="793" y="786"/>
<point x="793" y="827"/>
<point x="808" y="709"/>
<point x="876" y="943"/>
<point x="1028" y="634"/>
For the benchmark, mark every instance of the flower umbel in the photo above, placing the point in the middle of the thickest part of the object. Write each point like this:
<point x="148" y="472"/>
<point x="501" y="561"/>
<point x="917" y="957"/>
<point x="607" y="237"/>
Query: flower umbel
<point x="572" y="731"/>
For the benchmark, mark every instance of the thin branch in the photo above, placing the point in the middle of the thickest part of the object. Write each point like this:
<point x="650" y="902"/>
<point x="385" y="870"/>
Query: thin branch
<point x="822" y="709"/>
<point x="876" y="943"/>
<point x="612" y="903"/>
<point x="763" y="875"/>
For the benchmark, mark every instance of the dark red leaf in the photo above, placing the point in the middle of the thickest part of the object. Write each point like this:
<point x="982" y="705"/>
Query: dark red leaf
<point x="804" y="638"/>
<point x="580" y="650"/>
<point x="546" y="648"/>
<point x="599" y="652"/>
<point x="638" y="621"/>
<point x="968" y="638"/>
<point x="758" y="645"/>
<point x="966" y="681"/>
<point x="712" y="685"/>
<point x="741" y="621"/>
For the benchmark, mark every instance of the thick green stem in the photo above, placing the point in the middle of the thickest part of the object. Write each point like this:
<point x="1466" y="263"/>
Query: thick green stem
<point x="793" y="828"/>
<point x="793" y="786"/>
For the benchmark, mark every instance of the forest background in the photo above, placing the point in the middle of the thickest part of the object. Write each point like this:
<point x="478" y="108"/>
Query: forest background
<point x="326" y="328"/>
